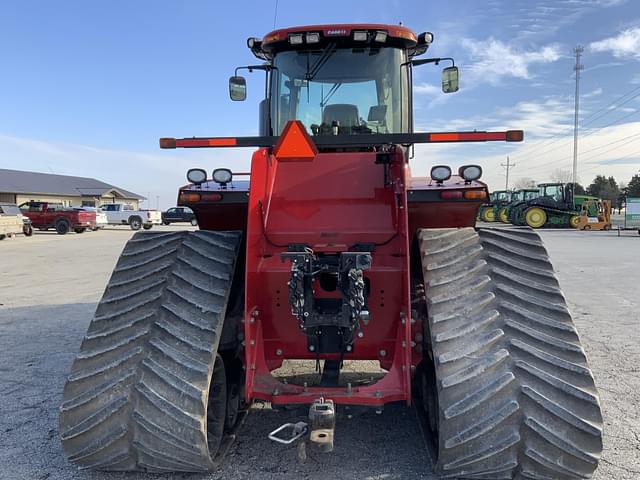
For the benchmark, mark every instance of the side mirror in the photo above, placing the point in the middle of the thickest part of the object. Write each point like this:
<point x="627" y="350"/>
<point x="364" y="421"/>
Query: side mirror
<point x="238" y="89"/>
<point x="450" y="80"/>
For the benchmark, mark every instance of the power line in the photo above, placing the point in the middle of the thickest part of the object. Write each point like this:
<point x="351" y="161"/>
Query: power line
<point x="586" y="121"/>
<point x="637" y="152"/>
<point x="609" y="110"/>
<point x="593" y="131"/>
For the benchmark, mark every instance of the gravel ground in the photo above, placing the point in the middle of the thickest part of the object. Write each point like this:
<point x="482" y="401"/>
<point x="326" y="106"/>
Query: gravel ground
<point x="49" y="287"/>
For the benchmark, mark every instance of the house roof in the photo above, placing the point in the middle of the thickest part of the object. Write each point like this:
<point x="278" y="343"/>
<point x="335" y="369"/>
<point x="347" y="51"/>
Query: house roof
<point x="18" y="181"/>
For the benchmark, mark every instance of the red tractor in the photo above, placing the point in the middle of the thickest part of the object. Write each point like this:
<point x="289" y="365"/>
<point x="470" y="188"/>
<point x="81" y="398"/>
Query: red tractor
<point x="333" y="254"/>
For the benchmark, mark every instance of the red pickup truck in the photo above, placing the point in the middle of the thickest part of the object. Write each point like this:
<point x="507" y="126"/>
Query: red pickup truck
<point x="45" y="215"/>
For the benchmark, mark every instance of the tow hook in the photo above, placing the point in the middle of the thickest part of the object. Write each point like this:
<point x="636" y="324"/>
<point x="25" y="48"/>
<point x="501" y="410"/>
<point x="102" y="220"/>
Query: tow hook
<point x="322" y="418"/>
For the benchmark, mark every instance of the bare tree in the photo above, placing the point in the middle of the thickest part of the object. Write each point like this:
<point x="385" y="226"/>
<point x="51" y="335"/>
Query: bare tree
<point x="561" y="176"/>
<point x="525" y="182"/>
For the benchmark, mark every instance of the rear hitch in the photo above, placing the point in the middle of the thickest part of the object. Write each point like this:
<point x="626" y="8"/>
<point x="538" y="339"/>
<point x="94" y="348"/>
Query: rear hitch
<point x="322" y="417"/>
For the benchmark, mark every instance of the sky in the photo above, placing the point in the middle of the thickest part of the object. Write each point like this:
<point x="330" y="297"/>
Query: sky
<point x="87" y="88"/>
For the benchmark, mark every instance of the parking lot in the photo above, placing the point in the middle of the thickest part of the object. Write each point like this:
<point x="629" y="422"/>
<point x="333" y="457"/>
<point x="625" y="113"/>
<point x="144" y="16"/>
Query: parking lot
<point x="50" y="284"/>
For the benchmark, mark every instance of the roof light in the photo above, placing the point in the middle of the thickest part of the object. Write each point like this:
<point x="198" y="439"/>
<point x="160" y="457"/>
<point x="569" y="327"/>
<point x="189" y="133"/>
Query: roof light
<point x="470" y="172"/>
<point x="295" y="39"/>
<point x="252" y="41"/>
<point x="380" y="36"/>
<point x="313" y="37"/>
<point x="360" y="36"/>
<point x="440" y="173"/>
<point x="196" y="175"/>
<point x="425" y="38"/>
<point x="222" y="176"/>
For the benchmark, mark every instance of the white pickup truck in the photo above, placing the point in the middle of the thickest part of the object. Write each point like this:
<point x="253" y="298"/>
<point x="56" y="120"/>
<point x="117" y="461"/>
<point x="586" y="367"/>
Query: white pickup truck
<point x="124" y="214"/>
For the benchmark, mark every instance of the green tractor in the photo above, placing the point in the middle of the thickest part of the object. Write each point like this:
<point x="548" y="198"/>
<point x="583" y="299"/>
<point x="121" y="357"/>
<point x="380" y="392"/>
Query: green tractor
<point x="553" y="207"/>
<point x="498" y="198"/>
<point x="486" y="206"/>
<point x="502" y="212"/>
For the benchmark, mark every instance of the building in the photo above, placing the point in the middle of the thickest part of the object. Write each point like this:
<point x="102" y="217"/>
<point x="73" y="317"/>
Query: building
<point x="18" y="187"/>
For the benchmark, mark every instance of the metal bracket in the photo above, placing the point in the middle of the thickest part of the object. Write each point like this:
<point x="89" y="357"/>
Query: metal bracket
<point x="322" y="414"/>
<point x="298" y="430"/>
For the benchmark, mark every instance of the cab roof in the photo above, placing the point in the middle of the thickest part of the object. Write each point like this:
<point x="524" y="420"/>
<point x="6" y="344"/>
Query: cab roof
<point x="341" y="34"/>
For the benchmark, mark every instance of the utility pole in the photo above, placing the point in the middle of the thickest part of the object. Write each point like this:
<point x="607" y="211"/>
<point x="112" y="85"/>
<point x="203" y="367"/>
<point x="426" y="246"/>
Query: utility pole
<point x="578" y="67"/>
<point x="507" y="166"/>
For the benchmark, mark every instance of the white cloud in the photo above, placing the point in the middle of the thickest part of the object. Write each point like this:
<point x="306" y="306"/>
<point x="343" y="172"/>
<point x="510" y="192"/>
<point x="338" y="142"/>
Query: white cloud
<point x="625" y="44"/>
<point x="426" y="89"/>
<point x="538" y="118"/>
<point x="492" y="59"/>
<point x="593" y="93"/>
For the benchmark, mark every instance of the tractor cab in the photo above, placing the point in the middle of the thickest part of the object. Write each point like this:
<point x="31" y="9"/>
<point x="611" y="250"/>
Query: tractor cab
<point x="340" y="79"/>
<point x="529" y="194"/>
<point x="558" y="195"/>
<point x="502" y="196"/>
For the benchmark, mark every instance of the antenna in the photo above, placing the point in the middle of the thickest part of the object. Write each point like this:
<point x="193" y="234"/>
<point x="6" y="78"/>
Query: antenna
<point x="578" y="67"/>
<point x="275" y="14"/>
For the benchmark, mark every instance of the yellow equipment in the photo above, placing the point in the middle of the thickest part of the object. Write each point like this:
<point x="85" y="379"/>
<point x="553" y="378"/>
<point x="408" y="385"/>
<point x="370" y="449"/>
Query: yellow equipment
<point x="600" y="222"/>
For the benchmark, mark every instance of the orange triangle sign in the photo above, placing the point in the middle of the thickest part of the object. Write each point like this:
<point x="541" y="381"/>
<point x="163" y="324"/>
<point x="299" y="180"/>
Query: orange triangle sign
<point x="295" y="144"/>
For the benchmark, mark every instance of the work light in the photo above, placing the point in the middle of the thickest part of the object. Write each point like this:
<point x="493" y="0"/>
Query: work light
<point x="360" y="36"/>
<point x="313" y="37"/>
<point x="196" y="175"/>
<point x="470" y="172"/>
<point x="425" y="38"/>
<point x="380" y="36"/>
<point x="222" y="176"/>
<point x="295" y="39"/>
<point x="440" y="173"/>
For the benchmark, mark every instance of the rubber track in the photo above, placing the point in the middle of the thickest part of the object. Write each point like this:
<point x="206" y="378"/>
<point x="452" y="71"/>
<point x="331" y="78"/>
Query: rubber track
<point x="136" y="397"/>
<point x="516" y="398"/>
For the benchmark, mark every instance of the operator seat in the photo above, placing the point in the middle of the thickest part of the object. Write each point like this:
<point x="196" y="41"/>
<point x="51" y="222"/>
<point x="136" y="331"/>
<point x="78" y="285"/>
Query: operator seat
<point x="344" y="113"/>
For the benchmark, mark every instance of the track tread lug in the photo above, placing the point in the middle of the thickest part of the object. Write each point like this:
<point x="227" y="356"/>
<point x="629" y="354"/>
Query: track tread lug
<point x="514" y="389"/>
<point x="136" y="396"/>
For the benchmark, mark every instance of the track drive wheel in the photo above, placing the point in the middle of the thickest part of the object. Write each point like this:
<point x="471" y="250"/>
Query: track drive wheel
<point x="148" y="390"/>
<point x="535" y="217"/>
<point x="515" y="397"/>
